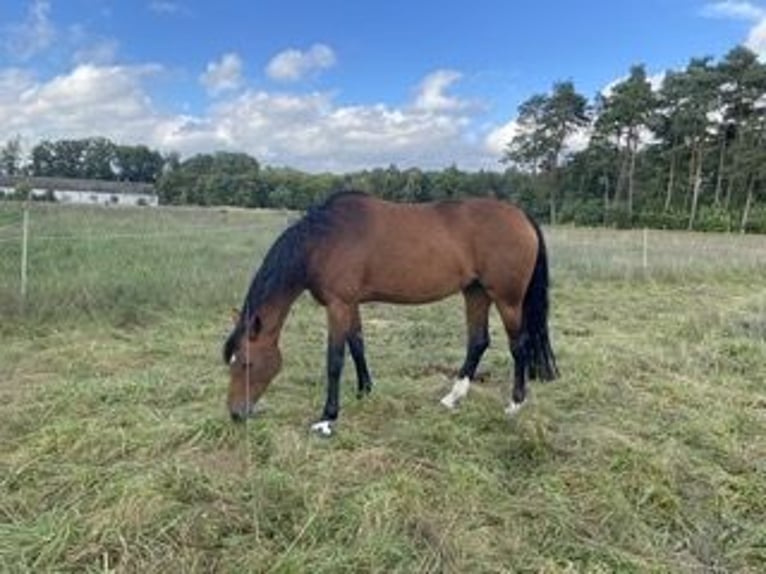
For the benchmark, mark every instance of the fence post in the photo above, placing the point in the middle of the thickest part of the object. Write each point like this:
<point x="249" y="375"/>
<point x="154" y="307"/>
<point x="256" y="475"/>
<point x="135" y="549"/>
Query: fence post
<point x="24" y="255"/>
<point x="645" y="259"/>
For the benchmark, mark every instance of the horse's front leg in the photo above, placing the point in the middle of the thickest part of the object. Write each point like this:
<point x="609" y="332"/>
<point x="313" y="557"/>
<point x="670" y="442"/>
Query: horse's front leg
<point x="339" y="317"/>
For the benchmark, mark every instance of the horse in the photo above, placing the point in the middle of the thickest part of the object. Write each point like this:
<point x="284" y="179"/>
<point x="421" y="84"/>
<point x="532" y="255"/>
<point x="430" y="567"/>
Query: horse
<point x="355" y="248"/>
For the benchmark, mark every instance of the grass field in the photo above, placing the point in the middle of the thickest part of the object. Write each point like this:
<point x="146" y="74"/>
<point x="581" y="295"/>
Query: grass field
<point x="116" y="454"/>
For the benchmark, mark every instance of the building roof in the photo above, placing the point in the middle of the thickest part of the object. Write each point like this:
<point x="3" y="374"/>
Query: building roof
<point x="86" y="185"/>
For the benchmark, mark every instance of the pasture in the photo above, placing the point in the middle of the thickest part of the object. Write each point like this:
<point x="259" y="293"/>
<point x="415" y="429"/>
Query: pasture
<point x="116" y="453"/>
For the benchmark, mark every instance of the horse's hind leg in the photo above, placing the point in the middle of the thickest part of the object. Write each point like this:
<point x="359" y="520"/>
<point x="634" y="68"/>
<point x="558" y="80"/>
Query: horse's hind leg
<point x="356" y="346"/>
<point x="477" y="304"/>
<point x="517" y="338"/>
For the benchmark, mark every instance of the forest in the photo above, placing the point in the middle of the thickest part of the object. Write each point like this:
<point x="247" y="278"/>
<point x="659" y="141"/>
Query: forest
<point x="685" y="151"/>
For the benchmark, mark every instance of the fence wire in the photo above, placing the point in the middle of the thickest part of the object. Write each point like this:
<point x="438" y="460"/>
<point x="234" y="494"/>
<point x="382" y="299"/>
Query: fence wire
<point x="111" y="260"/>
<point x="146" y="235"/>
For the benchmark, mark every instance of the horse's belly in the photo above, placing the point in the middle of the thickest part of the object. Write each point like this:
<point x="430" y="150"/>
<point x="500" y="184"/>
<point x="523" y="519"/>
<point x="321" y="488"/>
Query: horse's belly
<point x="414" y="282"/>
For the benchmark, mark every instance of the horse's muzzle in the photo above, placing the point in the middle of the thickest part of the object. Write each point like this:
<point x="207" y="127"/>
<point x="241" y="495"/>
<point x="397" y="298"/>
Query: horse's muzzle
<point x="241" y="414"/>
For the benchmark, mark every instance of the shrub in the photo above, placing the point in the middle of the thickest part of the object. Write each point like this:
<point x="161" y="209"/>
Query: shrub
<point x="713" y="219"/>
<point x="587" y="212"/>
<point x="663" y="219"/>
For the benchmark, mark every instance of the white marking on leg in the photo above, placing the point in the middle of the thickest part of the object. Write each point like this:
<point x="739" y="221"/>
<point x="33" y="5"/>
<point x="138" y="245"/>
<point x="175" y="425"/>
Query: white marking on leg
<point x="448" y="401"/>
<point x="323" y="428"/>
<point x="459" y="390"/>
<point x="513" y="408"/>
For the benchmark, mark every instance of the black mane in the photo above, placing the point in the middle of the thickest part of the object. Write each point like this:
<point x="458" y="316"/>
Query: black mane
<point x="283" y="270"/>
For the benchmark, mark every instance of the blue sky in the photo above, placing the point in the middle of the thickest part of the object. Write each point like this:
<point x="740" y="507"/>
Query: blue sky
<point x="332" y="85"/>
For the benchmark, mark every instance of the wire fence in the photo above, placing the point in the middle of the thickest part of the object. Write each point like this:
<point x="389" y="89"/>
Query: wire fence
<point x="67" y="261"/>
<point x="57" y="260"/>
<point x="653" y="254"/>
<point x="145" y="236"/>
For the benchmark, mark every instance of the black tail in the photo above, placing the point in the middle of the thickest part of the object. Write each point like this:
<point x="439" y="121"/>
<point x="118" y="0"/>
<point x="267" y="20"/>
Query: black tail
<point x="540" y="357"/>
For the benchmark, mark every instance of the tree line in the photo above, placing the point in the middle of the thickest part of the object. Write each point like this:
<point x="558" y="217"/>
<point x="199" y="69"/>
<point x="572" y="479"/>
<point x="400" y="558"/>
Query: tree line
<point x="689" y="154"/>
<point x="686" y="153"/>
<point x="231" y="178"/>
<point x="88" y="158"/>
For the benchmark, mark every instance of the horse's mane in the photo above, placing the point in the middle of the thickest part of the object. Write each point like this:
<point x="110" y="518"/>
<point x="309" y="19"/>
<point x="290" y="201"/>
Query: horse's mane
<point x="284" y="269"/>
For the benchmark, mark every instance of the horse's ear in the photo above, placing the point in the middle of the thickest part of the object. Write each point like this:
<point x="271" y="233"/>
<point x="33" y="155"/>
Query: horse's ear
<point x="255" y="328"/>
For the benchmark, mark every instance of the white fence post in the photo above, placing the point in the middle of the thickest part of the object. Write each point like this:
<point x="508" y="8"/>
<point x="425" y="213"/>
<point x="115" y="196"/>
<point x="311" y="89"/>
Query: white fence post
<point x="645" y="259"/>
<point x="24" y="255"/>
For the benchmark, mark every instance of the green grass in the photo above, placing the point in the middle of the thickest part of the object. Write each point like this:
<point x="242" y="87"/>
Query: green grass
<point x="116" y="453"/>
<point x="122" y="265"/>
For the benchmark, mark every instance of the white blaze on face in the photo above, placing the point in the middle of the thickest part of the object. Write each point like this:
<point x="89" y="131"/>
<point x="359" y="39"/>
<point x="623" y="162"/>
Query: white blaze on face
<point x="459" y="390"/>
<point x="233" y="359"/>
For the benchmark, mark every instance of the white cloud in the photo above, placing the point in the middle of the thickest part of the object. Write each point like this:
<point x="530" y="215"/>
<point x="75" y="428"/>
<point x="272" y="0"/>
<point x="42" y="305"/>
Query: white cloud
<point x="313" y="132"/>
<point x="432" y="94"/>
<point x="578" y="140"/>
<point x="86" y="47"/>
<point x="310" y="131"/>
<point x="26" y="39"/>
<point x="98" y="51"/>
<point x="655" y="81"/>
<point x="293" y="65"/>
<point x="497" y="140"/>
<point x="90" y="100"/>
<point x="224" y="75"/>
<point x="166" y="7"/>
<point x="756" y="38"/>
<point x="13" y="82"/>
<point x="38" y="33"/>
<point x="732" y="9"/>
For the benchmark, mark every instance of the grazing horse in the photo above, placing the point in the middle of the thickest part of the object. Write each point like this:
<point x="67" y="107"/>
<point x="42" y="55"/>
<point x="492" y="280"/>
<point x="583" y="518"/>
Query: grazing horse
<point x="355" y="248"/>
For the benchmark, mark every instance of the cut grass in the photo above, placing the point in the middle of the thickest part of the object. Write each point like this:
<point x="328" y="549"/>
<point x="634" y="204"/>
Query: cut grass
<point x="646" y="455"/>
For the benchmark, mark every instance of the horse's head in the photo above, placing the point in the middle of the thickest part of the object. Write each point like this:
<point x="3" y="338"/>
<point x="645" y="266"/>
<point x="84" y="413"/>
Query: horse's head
<point x="254" y="360"/>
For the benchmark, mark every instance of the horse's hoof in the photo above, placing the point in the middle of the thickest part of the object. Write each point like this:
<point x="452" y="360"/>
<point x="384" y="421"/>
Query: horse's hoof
<point x="513" y="409"/>
<point x="322" y="428"/>
<point x="363" y="392"/>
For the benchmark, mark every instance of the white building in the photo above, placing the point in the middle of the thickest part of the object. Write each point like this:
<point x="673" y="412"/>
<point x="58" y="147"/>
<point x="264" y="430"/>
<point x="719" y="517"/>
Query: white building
<point x="85" y="191"/>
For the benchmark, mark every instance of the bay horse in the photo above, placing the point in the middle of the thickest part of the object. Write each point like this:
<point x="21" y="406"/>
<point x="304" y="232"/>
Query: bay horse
<point x="355" y="248"/>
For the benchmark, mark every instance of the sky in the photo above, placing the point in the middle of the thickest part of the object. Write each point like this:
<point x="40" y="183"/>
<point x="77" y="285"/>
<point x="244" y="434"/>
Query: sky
<point x="333" y="85"/>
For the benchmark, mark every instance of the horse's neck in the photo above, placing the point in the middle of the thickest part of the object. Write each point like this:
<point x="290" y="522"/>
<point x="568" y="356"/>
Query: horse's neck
<point x="275" y="313"/>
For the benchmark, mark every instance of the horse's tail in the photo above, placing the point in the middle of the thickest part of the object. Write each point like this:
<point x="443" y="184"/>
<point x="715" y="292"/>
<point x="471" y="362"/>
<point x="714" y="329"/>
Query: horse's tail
<point x="539" y="353"/>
